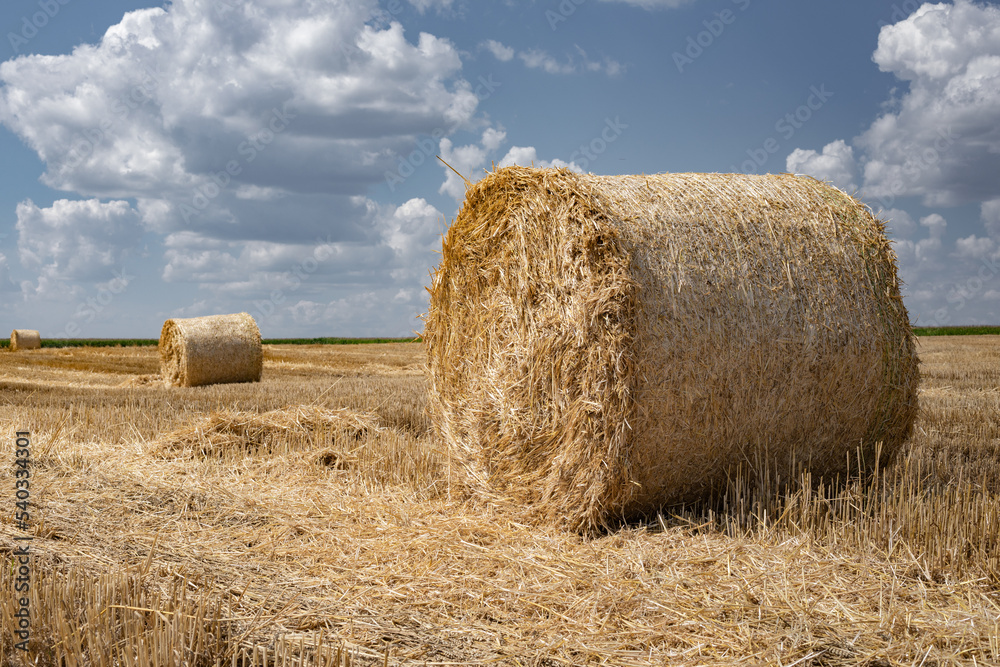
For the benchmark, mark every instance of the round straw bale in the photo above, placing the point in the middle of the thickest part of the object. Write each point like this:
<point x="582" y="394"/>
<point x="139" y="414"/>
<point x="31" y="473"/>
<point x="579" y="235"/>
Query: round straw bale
<point x="210" y="350"/>
<point x="601" y="346"/>
<point x="25" y="339"/>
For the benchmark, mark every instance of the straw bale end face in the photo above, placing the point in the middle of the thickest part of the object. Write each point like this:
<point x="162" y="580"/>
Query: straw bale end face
<point x="600" y="346"/>
<point x="210" y="350"/>
<point x="25" y="339"/>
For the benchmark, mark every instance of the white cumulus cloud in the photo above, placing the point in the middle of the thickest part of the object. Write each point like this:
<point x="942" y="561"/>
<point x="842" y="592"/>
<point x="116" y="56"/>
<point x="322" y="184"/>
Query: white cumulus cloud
<point x="937" y="140"/>
<point x="940" y="140"/>
<point x="424" y="5"/>
<point x="540" y="59"/>
<point x="468" y="160"/>
<point x="500" y="51"/>
<point x="209" y="108"/>
<point x="900" y="223"/>
<point x="943" y="141"/>
<point x="247" y="135"/>
<point x="835" y="164"/>
<point x="74" y="241"/>
<point x="527" y="156"/>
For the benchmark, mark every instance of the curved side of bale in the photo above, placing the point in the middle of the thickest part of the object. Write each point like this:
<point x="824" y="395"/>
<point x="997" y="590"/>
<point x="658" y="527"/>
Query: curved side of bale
<point x="770" y="328"/>
<point x="601" y="346"/>
<point x="210" y="350"/>
<point x="25" y="339"/>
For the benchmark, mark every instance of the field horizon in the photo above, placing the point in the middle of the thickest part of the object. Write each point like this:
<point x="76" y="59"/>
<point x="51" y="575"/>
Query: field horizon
<point x="964" y="330"/>
<point x="151" y="342"/>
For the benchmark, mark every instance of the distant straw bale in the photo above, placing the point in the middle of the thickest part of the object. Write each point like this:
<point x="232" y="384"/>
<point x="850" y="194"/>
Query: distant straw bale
<point x="601" y="346"/>
<point x="210" y="350"/>
<point x="25" y="339"/>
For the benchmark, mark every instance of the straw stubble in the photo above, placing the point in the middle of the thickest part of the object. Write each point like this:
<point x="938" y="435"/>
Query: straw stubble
<point x="600" y="346"/>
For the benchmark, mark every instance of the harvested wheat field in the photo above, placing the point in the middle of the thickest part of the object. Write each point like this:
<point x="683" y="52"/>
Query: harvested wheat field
<point x="312" y="519"/>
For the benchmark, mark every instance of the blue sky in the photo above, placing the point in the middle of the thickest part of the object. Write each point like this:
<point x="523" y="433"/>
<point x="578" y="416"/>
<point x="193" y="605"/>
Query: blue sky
<point x="277" y="156"/>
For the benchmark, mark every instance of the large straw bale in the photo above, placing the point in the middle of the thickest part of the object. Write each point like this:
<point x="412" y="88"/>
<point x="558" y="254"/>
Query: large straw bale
<point x="209" y="350"/>
<point x="600" y="346"/>
<point x="25" y="339"/>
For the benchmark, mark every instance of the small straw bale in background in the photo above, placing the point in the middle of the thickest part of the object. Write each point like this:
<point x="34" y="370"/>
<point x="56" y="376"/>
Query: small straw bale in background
<point x="210" y="350"/>
<point x="25" y="339"/>
<point x="602" y="346"/>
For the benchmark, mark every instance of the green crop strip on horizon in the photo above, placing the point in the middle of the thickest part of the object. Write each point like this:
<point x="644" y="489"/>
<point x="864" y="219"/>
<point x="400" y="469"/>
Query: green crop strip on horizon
<point x="957" y="331"/>
<point x="152" y="342"/>
<point x="337" y="341"/>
